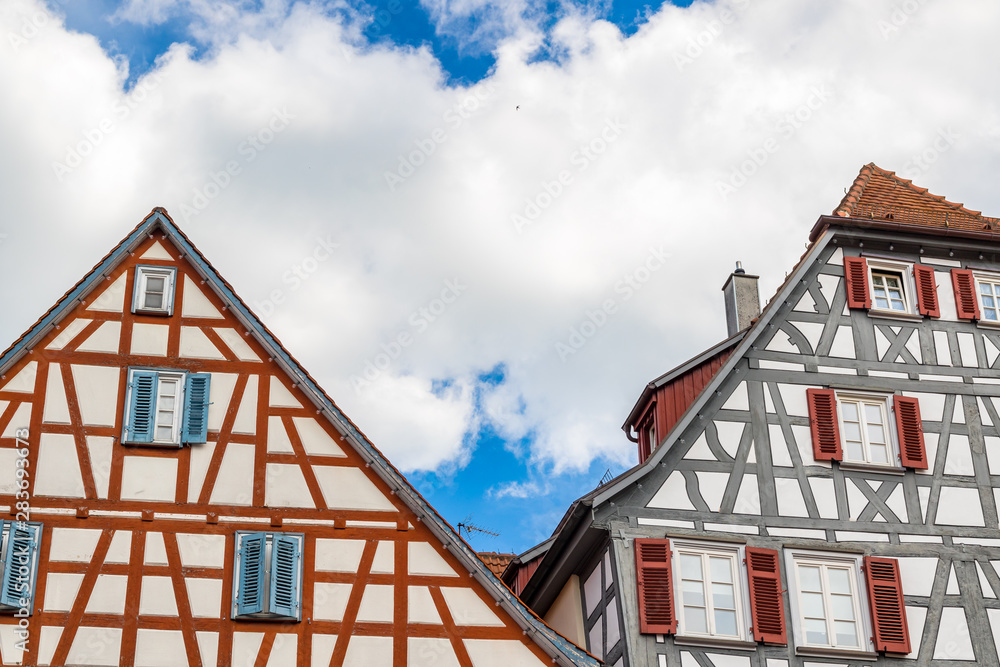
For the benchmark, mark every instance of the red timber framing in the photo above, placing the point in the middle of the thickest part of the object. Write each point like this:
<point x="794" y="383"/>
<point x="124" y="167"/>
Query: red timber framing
<point x="101" y="509"/>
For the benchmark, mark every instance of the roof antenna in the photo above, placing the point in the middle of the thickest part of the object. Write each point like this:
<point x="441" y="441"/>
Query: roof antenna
<point x="470" y="528"/>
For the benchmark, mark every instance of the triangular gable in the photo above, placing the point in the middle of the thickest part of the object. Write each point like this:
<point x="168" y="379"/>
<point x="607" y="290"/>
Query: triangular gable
<point x="220" y="329"/>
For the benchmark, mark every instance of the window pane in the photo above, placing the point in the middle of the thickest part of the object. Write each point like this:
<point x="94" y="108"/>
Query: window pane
<point x="809" y="576"/>
<point x="164" y="433"/>
<point x="725" y="622"/>
<point x="842" y="607"/>
<point x="880" y="454"/>
<point x="154" y="284"/>
<point x="988" y="301"/>
<point x="840" y="581"/>
<point x="812" y="605"/>
<point x="876" y="433"/>
<point x="695" y="620"/>
<point x="722" y="569"/>
<point x="892" y="282"/>
<point x="694" y="593"/>
<point x="991" y="315"/>
<point x="153" y="301"/>
<point x="881" y="303"/>
<point x="985" y="288"/>
<point x="723" y="596"/>
<point x="852" y="431"/>
<point x="846" y="633"/>
<point x="853" y="451"/>
<point x="873" y="414"/>
<point x="850" y="411"/>
<point x="815" y="631"/>
<point x="691" y="567"/>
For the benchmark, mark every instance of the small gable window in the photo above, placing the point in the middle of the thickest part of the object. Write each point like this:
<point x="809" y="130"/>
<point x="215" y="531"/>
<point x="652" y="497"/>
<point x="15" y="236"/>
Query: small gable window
<point x="166" y="407"/>
<point x="891" y="288"/>
<point x="19" y="546"/>
<point x="154" y="290"/>
<point x="268" y="580"/>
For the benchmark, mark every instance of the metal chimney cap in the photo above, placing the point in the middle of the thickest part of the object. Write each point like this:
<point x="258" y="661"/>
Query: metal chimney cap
<point x="739" y="267"/>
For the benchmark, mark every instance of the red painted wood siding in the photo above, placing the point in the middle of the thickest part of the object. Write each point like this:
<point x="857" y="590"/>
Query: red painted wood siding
<point x="674" y="398"/>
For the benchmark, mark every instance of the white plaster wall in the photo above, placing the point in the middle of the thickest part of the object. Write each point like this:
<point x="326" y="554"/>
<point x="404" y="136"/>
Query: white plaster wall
<point x="97" y="647"/>
<point x="421" y="607"/>
<point x="75" y="545"/>
<point x="202" y="550"/>
<point x="315" y="440"/>
<point x="423" y="559"/>
<point x="105" y="339"/>
<point x="61" y="590"/>
<point x="330" y="600"/>
<point x="58" y="472"/>
<point x="24" y="381"/>
<point x="286" y="487"/>
<point x="430" y="652"/>
<point x="279" y="396"/>
<point x="369" y="652"/>
<point x="112" y="299"/>
<point x="159" y="648"/>
<point x="234" y="484"/>
<point x="221" y="391"/>
<point x="277" y="437"/>
<point x="157" y="597"/>
<point x="196" y="304"/>
<point x="500" y="653"/>
<point x="467" y="608"/>
<point x="235" y="342"/>
<point x="376" y="604"/>
<point x="97" y="393"/>
<point x="56" y="410"/>
<point x="350" y="488"/>
<point x="565" y="616"/>
<point x="149" y="478"/>
<point x="108" y="596"/>
<point x="150" y="339"/>
<point x="194" y="344"/>
<point x="205" y="596"/>
<point x="384" y="558"/>
<point x="69" y="331"/>
<point x="246" y="416"/>
<point x="339" y="555"/>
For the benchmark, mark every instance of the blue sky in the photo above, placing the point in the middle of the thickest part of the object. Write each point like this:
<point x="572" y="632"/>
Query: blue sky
<point x="466" y="54"/>
<point x="539" y="154"/>
<point x="496" y="487"/>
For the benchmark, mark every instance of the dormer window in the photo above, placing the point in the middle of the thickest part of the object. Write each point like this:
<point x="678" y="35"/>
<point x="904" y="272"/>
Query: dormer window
<point x="886" y="287"/>
<point x="154" y="290"/>
<point x="887" y="290"/>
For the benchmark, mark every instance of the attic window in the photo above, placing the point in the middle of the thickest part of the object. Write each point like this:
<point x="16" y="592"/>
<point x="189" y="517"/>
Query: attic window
<point x="154" y="290"/>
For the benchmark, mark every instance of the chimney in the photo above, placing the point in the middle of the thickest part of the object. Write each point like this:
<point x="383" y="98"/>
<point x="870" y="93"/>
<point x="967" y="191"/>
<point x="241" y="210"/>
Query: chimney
<point x="742" y="299"/>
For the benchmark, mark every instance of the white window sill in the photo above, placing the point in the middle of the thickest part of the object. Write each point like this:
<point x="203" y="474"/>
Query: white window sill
<point x="988" y="324"/>
<point x="715" y="642"/>
<point x="860" y="466"/>
<point x="895" y="315"/>
<point x="830" y="652"/>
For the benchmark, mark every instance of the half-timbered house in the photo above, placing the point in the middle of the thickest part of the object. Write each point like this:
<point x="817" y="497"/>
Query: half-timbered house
<point x="176" y="490"/>
<point x="822" y="487"/>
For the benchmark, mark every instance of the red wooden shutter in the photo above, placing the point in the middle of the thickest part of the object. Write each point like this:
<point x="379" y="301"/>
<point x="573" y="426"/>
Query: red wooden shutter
<point x="856" y="276"/>
<point x="965" y="294"/>
<point x="885" y="597"/>
<point x="910" y="429"/>
<point x="823" y="422"/>
<point x="656" y="591"/>
<point x="767" y="609"/>
<point x="927" y="301"/>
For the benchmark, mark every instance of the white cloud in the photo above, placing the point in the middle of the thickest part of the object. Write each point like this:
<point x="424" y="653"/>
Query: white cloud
<point x="690" y="117"/>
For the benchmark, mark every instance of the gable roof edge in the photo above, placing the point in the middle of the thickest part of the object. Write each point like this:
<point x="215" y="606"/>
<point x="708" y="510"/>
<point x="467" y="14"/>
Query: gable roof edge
<point x="604" y="493"/>
<point x="560" y="649"/>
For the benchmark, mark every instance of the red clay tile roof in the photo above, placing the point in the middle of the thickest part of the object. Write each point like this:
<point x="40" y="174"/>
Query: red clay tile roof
<point x="495" y="561"/>
<point x="878" y="194"/>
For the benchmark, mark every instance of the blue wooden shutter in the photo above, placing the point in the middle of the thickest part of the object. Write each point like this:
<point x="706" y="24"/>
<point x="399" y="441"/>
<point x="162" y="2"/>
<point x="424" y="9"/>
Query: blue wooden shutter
<point x="142" y="407"/>
<point x="286" y="554"/>
<point x="194" y="428"/>
<point x="250" y="599"/>
<point x="19" y="557"/>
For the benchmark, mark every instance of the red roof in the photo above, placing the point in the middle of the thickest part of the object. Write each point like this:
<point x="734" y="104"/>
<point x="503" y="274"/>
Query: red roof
<point x="878" y="194"/>
<point x="496" y="561"/>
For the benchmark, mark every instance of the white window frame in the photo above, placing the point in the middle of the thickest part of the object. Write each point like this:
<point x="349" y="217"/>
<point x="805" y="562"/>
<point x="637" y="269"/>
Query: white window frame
<point x="175" y="427"/>
<point x="992" y="279"/>
<point x="907" y="285"/>
<point x="889" y="421"/>
<point x="736" y="553"/>
<point x="161" y="375"/>
<point x="852" y="562"/>
<point x="142" y="274"/>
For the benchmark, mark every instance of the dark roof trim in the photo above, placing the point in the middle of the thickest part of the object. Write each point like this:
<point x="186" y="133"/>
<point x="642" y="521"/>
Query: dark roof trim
<point x="673" y="374"/>
<point x="825" y="221"/>
<point x="561" y="649"/>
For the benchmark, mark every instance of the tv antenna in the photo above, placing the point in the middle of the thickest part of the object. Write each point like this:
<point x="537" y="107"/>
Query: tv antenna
<point x="470" y="528"/>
